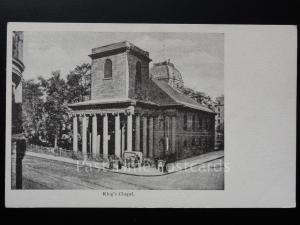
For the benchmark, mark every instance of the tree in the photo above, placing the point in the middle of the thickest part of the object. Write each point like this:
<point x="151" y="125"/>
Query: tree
<point x="200" y="97"/>
<point x="56" y="109"/>
<point x="79" y="83"/>
<point x="33" y="107"/>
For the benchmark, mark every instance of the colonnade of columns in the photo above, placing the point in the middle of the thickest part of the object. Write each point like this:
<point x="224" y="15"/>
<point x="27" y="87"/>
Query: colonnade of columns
<point x="146" y="134"/>
<point x="95" y="139"/>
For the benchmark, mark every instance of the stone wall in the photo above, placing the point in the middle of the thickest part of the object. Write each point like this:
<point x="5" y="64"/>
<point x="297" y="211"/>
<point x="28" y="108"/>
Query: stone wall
<point x="103" y="88"/>
<point x="140" y="93"/>
<point x="188" y="142"/>
<point x="194" y="141"/>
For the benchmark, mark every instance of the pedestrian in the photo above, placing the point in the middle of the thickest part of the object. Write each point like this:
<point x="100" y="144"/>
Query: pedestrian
<point x="119" y="164"/>
<point x="165" y="167"/>
<point x="110" y="161"/>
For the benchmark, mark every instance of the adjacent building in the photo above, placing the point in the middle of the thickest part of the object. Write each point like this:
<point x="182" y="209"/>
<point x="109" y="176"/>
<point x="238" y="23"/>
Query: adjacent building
<point x="17" y="70"/>
<point x="134" y="108"/>
<point x="219" y="122"/>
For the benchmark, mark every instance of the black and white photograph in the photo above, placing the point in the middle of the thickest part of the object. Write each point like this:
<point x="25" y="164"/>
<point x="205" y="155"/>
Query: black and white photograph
<point x="134" y="115"/>
<point x="95" y="110"/>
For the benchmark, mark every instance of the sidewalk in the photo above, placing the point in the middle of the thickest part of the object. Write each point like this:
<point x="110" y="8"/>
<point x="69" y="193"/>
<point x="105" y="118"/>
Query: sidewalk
<point x="141" y="171"/>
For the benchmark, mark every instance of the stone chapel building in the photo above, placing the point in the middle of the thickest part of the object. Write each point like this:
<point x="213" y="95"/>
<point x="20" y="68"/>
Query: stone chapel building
<point x="133" y="108"/>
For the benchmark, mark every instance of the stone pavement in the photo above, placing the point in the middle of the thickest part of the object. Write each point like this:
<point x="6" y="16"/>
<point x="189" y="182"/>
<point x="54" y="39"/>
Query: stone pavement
<point x="141" y="171"/>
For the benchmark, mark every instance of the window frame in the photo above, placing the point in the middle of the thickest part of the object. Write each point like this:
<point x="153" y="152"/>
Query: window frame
<point x="138" y="82"/>
<point x="185" y="122"/>
<point x="109" y="68"/>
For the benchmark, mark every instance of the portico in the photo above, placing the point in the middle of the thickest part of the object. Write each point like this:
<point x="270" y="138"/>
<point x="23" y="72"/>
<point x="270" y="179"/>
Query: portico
<point x="105" y="132"/>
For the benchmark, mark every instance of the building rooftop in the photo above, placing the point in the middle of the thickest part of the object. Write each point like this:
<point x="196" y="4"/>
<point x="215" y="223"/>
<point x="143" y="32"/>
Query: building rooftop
<point x="119" y="46"/>
<point x="180" y="98"/>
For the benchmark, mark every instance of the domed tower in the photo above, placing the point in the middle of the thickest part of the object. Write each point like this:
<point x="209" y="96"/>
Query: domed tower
<point x="166" y="71"/>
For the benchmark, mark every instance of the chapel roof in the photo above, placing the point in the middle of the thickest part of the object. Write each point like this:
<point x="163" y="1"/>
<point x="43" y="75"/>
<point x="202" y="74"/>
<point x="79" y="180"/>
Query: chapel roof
<point x="180" y="98"/>
<point x="119" y="46"/>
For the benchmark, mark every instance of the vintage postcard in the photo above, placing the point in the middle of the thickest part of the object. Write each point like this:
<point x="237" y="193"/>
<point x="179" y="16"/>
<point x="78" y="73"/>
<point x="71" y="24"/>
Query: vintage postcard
<point x="135" y="115"/>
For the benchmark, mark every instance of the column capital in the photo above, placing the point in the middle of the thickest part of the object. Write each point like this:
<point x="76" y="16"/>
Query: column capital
<point x="129" y="110"/>
<point x="145" y="114"/>
<point x="81" y="115"/>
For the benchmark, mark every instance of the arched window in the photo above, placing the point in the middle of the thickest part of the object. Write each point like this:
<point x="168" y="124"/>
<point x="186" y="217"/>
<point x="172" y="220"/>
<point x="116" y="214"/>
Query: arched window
<point x="185" y="122"/>
<point x="138" y="76"/>
<point x="108" y="69"/>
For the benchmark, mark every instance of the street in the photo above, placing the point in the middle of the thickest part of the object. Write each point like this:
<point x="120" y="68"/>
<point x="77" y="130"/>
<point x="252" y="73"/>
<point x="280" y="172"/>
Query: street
<point x="39" y="173"/>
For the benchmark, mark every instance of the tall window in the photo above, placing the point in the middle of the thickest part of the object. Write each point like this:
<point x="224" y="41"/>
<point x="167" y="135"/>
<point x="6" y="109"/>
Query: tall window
<point x="138" y="76"/>
<point x="194" y="122"/>
<point x="200" y="141"/>
<point x="185" y="144"/>
<point x="108" y="69"/>
<point x="194" y="142"/>
<point x="208" y="124"/>
<point x="199" y="123"/>
<point x="185" y="122"/>
<point x="161" y="123"/>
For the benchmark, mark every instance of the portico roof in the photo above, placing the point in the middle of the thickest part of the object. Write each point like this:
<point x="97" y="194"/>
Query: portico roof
<point x="110" y="101"/>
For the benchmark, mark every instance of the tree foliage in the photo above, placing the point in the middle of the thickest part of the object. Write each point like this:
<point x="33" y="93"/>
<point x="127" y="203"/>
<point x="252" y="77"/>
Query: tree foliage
<point x="46" y="115"/>
<point x="33" y="107"/>
<point x="200" y="97"/>
<point x="79" y="83"/>
<point x="55" y="105"/>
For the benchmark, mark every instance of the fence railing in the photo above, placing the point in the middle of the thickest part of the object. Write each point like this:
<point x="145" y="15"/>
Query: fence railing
<point x="60" y="152"/>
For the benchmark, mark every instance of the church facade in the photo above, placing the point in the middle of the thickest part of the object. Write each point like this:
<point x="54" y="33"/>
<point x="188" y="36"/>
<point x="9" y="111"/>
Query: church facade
<point x="134" y="108"/>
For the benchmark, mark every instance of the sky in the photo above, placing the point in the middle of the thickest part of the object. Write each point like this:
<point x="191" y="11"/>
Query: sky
<point x="198" y="56"/>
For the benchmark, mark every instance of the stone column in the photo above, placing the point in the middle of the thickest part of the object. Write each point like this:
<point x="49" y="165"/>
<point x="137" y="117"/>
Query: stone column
<point x="95" y="150"/>
<point x="117" y="136"/>
<point x="137" y="133"/>
<point x="123" y="139"/>
<point x="155" y="135"/>
<point x="144" y="136"/>
<point x="84" y="136"/>
<point x="151" y="137"/>
<point x="105" y="135"/>
<point x="129" y="132"/>
<point x="167" y="135"/>
<point x="173" y="133"/>
<point x="75" y="134"/>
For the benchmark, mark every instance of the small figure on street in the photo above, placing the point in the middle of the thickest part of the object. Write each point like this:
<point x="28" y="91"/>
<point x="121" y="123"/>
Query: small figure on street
<point x="136" y="161"/>
<point x="127" y="160"/>
<point x="165" y="167"/>
<point x="119" y="164"/>
<point x="110" y="162"/>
